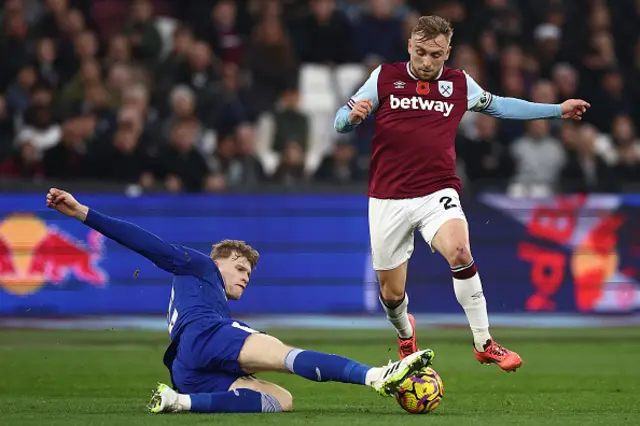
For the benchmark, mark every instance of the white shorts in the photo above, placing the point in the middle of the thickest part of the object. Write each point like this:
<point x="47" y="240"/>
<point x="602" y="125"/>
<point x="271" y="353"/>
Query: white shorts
<point x="392" y="224"/>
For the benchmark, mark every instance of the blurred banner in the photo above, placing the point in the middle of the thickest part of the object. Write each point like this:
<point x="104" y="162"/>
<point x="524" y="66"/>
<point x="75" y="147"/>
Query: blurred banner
<point x="568" y="254"/>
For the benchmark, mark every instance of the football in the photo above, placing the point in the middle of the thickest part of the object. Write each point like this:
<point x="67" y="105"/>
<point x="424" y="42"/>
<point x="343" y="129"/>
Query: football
<point x="421" y="393"/>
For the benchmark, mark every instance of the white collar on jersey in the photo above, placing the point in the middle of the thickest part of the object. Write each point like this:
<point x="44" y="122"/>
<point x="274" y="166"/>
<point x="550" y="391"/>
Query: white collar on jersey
<point x="416" y="78"/>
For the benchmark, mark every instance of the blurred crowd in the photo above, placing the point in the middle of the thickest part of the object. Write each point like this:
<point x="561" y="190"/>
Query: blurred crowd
<point x="170" y="94"/>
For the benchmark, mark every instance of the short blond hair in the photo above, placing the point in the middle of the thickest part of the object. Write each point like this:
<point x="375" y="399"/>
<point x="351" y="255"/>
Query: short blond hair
<point x="430" y="27"/>
<point x="226" y="248"/>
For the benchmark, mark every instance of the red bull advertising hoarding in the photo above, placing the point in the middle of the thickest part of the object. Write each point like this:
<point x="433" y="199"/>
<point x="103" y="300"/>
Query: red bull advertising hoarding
<point x="33" y="254"/>
<point x="577" y="254"/>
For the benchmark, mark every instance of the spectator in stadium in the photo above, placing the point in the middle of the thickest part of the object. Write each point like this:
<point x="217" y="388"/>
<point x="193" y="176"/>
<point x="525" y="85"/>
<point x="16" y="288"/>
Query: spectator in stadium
<point x="290" y="170"/>
<point x="538" y="161"/>
<point x="86" y="45"/>
<point x="53" y="20"/>
<point x="144" y="37"/>
<point x="251" y="171"/>
<point x="628" y="149"/>
<point x="180" y="165"/>
<point x="222" y="159"/>
<point x="341" y="167"/>
<point x="96" y="102"/>
<point x="118" y="51"/>
<point x="486" y="159"/>
<point x="232" y="101"/>
<point x="271" y="63"/>
<point x="585" y="171"/>
<point x="14" y="47"/>
<point x="182" y="101"/>
<point x="567" y="81"/>
<point x="223" y="33"/>
<point x="137" y="96"/>
<point x="18" y="92"/>
<point x="380" y="32"/>
<point x="45" y="62"/>
<point x="124" y="160"/>
<point x="39" y="128"/>
<point x="610" y="99"/>
<point x="73" y="24"/>
<point x="24" y="163"/>
<point x="6" y="129"/>
<point x="323" y="35"/>
<point x="168" y="70"/>
<point x="290" y="122"/>
<point x="67" y="159"/>
<point x="548" y="40"/>
<point x="74" y="91"/>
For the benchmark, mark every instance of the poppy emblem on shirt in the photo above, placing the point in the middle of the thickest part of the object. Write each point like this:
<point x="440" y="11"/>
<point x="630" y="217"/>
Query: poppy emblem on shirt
<point x="422" y="88"/>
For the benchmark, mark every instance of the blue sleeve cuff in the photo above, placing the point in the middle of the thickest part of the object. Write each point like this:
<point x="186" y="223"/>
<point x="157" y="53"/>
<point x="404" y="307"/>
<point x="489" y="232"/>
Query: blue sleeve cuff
<point x="341" y="123"/>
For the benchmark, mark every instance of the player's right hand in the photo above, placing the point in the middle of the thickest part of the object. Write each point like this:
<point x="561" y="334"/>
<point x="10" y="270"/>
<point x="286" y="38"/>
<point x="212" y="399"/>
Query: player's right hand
<point x="360" y="111"/>
<point x="66" y="204"/>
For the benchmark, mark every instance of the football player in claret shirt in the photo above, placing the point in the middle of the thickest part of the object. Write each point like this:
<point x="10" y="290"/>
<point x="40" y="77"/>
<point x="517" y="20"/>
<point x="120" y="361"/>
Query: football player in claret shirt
<point x="413" y="184"/>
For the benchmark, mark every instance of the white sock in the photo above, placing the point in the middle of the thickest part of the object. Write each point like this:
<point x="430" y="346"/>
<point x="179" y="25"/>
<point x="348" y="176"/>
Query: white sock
<point x="398" y="317"/>
<point x="184" y="401"/>
<point x="373" y="375"/>
<point x="471" y="298"/>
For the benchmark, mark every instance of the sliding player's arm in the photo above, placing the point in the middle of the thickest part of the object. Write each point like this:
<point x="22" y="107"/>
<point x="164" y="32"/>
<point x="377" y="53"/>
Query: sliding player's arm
<point x="480" y="100"/>
<point x="170" y="257"/>
<point x="363" y="103"/>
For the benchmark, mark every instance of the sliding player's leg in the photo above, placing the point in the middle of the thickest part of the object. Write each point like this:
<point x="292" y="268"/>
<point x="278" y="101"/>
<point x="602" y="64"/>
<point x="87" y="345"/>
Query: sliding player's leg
<point x="391" y="235"/>
<point x="447" y="233"/>
<point x="264" y="353"/>
<point x="207" y="377"/>
<point x="246" y="394"/>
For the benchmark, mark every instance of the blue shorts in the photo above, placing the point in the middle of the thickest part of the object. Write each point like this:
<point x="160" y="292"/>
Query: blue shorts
<point x="206" y="358"/>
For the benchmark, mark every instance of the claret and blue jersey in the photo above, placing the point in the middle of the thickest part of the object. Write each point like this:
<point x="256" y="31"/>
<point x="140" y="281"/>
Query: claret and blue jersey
<point x="413" y="144"/>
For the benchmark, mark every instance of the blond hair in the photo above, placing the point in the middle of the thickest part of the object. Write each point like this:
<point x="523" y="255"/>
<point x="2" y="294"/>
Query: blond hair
<point x="430" y="27"/>
<point x="227" y="248"/>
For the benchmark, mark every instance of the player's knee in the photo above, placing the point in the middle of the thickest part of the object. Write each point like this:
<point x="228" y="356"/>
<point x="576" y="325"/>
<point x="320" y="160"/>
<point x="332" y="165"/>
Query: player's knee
<point x="391" y="294"/>
<point x="459" y="255"/>
<point x="392" y="285"/>
<point x="286" y="400"/>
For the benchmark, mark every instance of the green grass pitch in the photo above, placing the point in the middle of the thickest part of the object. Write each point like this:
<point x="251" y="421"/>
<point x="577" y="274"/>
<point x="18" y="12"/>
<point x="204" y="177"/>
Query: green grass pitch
<point x="570" y="377"/>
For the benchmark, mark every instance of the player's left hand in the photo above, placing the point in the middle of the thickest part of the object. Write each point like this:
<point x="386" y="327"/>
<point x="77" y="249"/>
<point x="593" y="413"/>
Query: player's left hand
<point x="66" y="204"/>
<point x="574" y="108"/>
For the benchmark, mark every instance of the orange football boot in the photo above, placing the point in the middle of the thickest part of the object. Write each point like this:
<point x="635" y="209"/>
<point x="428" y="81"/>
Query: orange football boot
<point x="495" y="353"/>
<point x="408" y="346"/>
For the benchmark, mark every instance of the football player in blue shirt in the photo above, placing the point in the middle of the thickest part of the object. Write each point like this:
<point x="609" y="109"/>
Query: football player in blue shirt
<point x="211" y="357"/>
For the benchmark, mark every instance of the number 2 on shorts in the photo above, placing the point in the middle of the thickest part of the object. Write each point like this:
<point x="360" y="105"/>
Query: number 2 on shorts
<point x="447" y="202"/>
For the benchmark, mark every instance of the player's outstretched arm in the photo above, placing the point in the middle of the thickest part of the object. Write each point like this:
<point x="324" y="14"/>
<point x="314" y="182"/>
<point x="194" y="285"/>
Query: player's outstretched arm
<point x="172" y="258"/>
<point x="363" y="103"/>
<point x="519" y="109"/>
<point x="480" y="100"/>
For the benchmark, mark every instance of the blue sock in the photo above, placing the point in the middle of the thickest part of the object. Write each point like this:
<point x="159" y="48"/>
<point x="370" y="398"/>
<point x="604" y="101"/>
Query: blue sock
<point x="321" y="367"/>
<point x="234" y="401"/>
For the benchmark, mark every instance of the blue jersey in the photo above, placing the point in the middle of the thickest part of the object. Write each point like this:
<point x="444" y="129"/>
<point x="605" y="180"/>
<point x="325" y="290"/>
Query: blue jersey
<point x="197" y="292"/>
<point x="197" y="297"/>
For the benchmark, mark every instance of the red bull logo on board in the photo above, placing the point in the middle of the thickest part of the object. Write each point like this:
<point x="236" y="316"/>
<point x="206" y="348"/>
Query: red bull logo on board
<point x="33" y="254"/>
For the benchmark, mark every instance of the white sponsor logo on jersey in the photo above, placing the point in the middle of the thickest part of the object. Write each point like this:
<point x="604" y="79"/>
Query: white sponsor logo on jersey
<point x="419" y="103"/>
